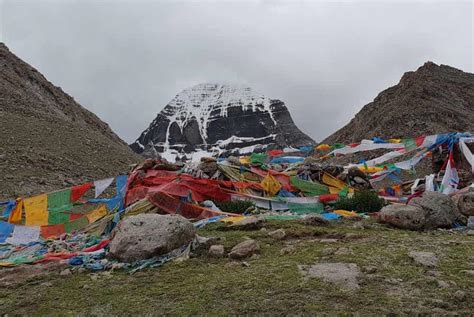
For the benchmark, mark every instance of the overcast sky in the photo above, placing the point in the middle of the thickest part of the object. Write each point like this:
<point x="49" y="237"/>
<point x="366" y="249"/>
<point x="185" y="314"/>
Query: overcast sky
<point x="125" y="60"/>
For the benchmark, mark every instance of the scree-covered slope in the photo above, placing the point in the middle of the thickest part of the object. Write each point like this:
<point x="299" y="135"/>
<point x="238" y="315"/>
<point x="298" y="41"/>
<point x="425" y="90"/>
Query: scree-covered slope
<point x="49" y="141"/>
<point x="433" y="99"/>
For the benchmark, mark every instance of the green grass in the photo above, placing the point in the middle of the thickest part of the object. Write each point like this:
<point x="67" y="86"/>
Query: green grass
<point x="272" y="283"/>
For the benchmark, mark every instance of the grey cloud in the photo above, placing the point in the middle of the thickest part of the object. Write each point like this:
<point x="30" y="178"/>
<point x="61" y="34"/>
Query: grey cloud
<point x="125" y="60"/>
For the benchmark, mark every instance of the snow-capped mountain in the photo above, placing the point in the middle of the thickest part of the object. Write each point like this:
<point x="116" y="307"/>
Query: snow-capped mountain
<point x="214" y="119"/>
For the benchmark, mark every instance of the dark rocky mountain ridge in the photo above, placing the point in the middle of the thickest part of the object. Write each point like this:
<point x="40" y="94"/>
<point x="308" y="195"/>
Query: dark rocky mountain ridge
<point x="433" y="99"/>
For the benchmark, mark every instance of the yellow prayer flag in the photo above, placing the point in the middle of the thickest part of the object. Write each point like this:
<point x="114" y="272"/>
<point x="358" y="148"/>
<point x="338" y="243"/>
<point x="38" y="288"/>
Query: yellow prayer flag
<point x="323" y="147"/>
<point x="36" y="210"/>
<point x="97" y="213"/>
<point x="345" y="213"/>
<point x="271" y="185"/>
<point x="332" y="181"/>
<point x="16" y="214"/>
<point x="244" y="160"/>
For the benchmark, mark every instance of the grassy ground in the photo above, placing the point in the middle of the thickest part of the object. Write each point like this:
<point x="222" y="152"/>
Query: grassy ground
<point x="272" y="283"/>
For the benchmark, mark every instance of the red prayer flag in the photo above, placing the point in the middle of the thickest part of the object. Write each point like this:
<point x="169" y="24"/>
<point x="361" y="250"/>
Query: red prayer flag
<point x="52" y="231"/>
<point x="79" y="190"/>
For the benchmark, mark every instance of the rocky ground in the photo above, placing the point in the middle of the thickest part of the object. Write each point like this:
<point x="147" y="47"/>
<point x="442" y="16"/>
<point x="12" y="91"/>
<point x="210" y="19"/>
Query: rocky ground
<point x="345" y="267"/>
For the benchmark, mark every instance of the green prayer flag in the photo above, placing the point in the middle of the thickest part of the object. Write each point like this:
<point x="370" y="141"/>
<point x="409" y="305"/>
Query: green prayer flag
<point x="302" y="209"/>
<point x="309" y="188"/>
<point x="258" y="158"/>
<point x="410" y="144"/>
<point x="59" y="203"/>
<point x="343" y="193"/>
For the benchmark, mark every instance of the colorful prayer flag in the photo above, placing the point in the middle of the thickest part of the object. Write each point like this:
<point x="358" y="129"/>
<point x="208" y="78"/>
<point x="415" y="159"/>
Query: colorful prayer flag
<point x="97" y="213"/>
<point x="16" y="214"/>
<point x="78" y="191"/>
<point x="36" y="210"/>
<point x="102" y="185"/>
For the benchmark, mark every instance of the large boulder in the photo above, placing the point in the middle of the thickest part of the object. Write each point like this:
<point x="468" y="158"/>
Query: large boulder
<point x="465" y="203"/>
<point x="440" y="211"/>
<point x="146" y="235"/>
<point x="403" y="216"/>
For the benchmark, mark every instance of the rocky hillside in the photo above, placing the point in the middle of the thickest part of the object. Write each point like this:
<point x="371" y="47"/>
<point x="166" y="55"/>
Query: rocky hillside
<point x="48" y="140"/>
<point x="210" y="119"/>
<point x="433" y="99"/>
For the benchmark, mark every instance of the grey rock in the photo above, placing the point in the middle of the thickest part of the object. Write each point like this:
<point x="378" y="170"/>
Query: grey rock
<point x="427" y="259"/>
<point x="370" y="269"/>
<point x="460" y="296"/>
<point x="328" y="240"/>
<point x="442" y="284"/>
<point x="440" y="211"/>
<point x="146" y="235"/>
<point x="216" y="251"/>
<point x="403" y="216"/>
<point x="465" y="203"/>
<point x="288" y="250"/>
<point x="244" y="249"/>
<point x="342" y="274"/>
<point x="65" y="272"/>
<point x="328" y="251"/>
<point x="343" y="251"/>
<point x="278" y="234"/>
<point x="433" y="273"/>
<point x="433" y="210"/>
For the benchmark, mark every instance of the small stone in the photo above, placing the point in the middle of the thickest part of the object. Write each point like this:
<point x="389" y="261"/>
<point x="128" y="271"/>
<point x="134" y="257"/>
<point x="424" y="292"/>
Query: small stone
<point x="427" y="259"/>
<point x="460" y="296"/>
<point x="263" y="229"/>
<point x="216" y="251"/>
<point x="47" y="284"/>
<point x="244" y="249"/>
<point x="232" y="264"/>
<point x="65" y="272"/>
<point x="343" y="251"/>
<point x="470" y="232"/>
<point x="442" y="284"/>
<point x="94" y="277"/>
<point x="328" y="251"/>
<point x="86" y="286"/>
<point x="289" y="250"/>
<point x="433" y="273"/>
<point x="370" y="269"/>
<point x="278" y="234"/>
<point x="350" y="235"/>
<point x="81" y="270"/>
<point x="468" y="272"/>
<point x="245" y="264"/>
<point x="328" y="240"/>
